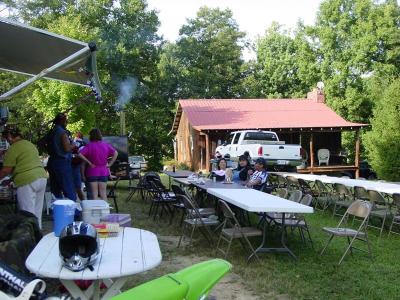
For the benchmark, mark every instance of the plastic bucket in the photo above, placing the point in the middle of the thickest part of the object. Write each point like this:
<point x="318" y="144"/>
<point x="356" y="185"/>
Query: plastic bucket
<point x="63" y="214"/>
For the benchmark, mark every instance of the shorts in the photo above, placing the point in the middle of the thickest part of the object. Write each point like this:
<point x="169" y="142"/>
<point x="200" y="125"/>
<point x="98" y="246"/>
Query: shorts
<point x="97" y="179"/>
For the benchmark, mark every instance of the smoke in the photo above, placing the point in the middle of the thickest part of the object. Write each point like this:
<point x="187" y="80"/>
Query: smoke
<point x="127" y="89"/>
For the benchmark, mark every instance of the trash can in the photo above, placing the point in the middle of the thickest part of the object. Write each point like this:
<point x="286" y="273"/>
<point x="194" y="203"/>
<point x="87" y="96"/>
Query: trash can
<point x="63" y="214"/>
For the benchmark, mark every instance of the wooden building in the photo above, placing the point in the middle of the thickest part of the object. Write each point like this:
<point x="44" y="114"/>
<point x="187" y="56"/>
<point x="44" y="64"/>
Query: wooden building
<point x="200" y="124"/>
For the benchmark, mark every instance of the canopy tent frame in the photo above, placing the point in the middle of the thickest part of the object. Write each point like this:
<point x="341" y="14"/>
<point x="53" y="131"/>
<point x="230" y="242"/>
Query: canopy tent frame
<point x="85" y="54"/>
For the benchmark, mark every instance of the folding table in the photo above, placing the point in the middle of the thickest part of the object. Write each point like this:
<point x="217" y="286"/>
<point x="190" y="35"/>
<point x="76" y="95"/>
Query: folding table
<point x="255" y="201"/>
<point x="133" y="251"/>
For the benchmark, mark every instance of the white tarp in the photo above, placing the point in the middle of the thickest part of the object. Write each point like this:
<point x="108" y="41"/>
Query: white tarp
<point x="42" y="54"/>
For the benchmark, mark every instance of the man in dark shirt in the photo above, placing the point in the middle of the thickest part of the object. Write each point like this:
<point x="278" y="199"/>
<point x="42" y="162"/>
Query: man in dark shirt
<point x="59" y="164"/>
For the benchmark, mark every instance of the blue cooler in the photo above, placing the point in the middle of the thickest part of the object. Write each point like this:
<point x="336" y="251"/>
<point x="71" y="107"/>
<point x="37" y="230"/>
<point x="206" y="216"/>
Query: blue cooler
<point x="63" y="214"/>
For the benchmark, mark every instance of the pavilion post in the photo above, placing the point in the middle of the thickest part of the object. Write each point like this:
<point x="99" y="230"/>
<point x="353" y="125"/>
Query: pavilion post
<point x="357" y="156"/>
<point x="207" y="152"/>
<point x="312" y="151"/>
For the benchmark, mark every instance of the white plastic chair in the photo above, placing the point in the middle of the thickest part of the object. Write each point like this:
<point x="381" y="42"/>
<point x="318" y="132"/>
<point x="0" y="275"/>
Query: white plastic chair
<point x="323" y="156"/>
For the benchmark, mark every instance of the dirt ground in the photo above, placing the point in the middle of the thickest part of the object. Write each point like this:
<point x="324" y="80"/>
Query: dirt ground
<point x="230" y="287"/>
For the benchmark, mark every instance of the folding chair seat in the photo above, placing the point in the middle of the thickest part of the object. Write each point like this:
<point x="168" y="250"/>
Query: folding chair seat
<point x="342" y="198"/>
<point x="360" y="209"/>
<point x="396" y="216"/>
<point x="380" y="209"/>
<point x="194" y="220"/>
<point x="231" y="230"/>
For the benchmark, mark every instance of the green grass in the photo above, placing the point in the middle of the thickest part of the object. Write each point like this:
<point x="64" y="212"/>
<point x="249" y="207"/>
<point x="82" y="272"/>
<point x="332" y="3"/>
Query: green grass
<point x="278" y="275"/>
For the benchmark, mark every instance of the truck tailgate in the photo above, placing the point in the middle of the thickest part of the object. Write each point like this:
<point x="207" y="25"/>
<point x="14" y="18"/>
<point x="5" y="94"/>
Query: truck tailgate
<point x="282" y="152"/>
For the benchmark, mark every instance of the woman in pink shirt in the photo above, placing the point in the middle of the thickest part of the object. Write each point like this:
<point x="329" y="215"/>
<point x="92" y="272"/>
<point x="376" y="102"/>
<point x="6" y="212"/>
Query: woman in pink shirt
<point x="97" y="153"/>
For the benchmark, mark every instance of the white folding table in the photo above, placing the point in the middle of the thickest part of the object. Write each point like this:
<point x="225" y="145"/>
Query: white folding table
<point x="255" y="201"/>
<point x="383" y="187"/>
<point x="133" y="251"/>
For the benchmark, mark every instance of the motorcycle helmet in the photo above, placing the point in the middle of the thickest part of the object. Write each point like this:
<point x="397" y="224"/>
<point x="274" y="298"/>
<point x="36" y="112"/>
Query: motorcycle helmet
<point x="79" y="246"/>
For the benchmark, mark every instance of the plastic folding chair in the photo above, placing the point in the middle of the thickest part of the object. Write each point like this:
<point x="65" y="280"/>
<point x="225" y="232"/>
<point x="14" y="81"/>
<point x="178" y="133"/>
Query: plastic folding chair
<point x="360" y="209"/>
<point x="231" y="230"/>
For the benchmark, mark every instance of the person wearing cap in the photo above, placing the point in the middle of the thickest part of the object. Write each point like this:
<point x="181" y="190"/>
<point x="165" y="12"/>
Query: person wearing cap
<point x="259" y="177"/>
<point x="22" y="161"/>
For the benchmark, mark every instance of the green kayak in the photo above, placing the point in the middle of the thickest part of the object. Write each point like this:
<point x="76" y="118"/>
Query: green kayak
<point x="192" y="283"/>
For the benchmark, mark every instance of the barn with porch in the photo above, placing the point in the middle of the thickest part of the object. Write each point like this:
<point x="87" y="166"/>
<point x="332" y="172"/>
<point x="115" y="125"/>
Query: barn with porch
<point x="201" y="124"/>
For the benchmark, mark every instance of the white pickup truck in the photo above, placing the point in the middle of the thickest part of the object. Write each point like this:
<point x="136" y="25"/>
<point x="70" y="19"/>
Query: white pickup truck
<point x="265" y="144"/>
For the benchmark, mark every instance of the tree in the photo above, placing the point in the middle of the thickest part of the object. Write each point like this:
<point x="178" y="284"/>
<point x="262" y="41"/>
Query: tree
<point x="383" y="141"/>
<point x="287" y="65"/>
<point x="354" y="38"/>
<point x="206" y="60"/>
<point x="128" y="46"/>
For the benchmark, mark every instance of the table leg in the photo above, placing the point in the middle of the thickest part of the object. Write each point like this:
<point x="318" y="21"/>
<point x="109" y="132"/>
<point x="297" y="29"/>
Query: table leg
<point x="74" y="290"/>
<point x="262" y="248"/>
<point x="115" y="288"/>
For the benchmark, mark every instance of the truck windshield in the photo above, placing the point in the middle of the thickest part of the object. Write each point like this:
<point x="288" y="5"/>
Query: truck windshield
<point x="260" y="136"/>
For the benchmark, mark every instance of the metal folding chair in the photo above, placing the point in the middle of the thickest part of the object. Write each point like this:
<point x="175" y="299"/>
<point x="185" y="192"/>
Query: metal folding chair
<point x="380" y="209"/>
<point x="298" y="220"/>
<point x="112" y="193"/>
<point x="396" y="216"/>
<point x="292" y="183"/>
<point x="342" y="197"/>
<point x="360" y="209"/>
<point x="161" y="198"/>
<point x="282" y="181"/>
<point x="196" y="221"/>
<point x="231" y="230"/>
<point x="323" y="197"/>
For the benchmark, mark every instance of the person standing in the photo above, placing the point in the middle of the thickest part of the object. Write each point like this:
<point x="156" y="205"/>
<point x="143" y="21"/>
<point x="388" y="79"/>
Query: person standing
<point x="59" y="164"/>
<point x="98" y="153"/>
<point x="76" y="164"/>
<point x="23" y="163"/>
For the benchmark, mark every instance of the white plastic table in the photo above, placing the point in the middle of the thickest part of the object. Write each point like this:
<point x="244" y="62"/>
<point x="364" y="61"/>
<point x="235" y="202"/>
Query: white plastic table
<point x="133" y="251"/>
<point x="209" y="184"/>
<point x="255" y="201"/>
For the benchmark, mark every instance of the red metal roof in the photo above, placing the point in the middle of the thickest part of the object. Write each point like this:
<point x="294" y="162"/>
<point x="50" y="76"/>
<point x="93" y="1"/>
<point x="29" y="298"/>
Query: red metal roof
<point x="229" y="114"/>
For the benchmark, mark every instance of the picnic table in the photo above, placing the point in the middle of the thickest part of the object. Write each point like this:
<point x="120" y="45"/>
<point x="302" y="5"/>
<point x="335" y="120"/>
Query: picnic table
<point x="383" y="187"/>
<point x="255" y="201"/>
<point x="133" y="251"/>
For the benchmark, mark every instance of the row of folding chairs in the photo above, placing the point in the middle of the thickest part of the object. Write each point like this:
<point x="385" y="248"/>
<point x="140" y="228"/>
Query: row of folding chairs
<point x="340" y="196"/>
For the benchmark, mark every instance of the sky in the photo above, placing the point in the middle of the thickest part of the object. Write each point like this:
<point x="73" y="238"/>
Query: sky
<point x="253" y="16"/>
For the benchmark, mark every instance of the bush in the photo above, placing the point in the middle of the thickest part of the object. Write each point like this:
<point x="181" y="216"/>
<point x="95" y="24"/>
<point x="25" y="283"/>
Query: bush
<point x="383" y="141"/>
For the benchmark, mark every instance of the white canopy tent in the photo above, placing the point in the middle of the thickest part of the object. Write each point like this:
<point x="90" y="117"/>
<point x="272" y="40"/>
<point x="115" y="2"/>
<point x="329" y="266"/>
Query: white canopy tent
<point x="42" y="54"/>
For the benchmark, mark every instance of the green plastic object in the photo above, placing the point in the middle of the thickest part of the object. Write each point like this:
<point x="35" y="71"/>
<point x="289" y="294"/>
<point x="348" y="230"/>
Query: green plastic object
<point x="163" y="288"/>
<point x="192" y="283"/>
<point x="202" y="277"/>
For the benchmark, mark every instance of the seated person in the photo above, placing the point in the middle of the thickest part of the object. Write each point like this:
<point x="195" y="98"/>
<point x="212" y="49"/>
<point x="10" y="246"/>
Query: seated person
<point x="259" y="177"/>
<point x="241" y="173"/>
<point x="219" y="174"/>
